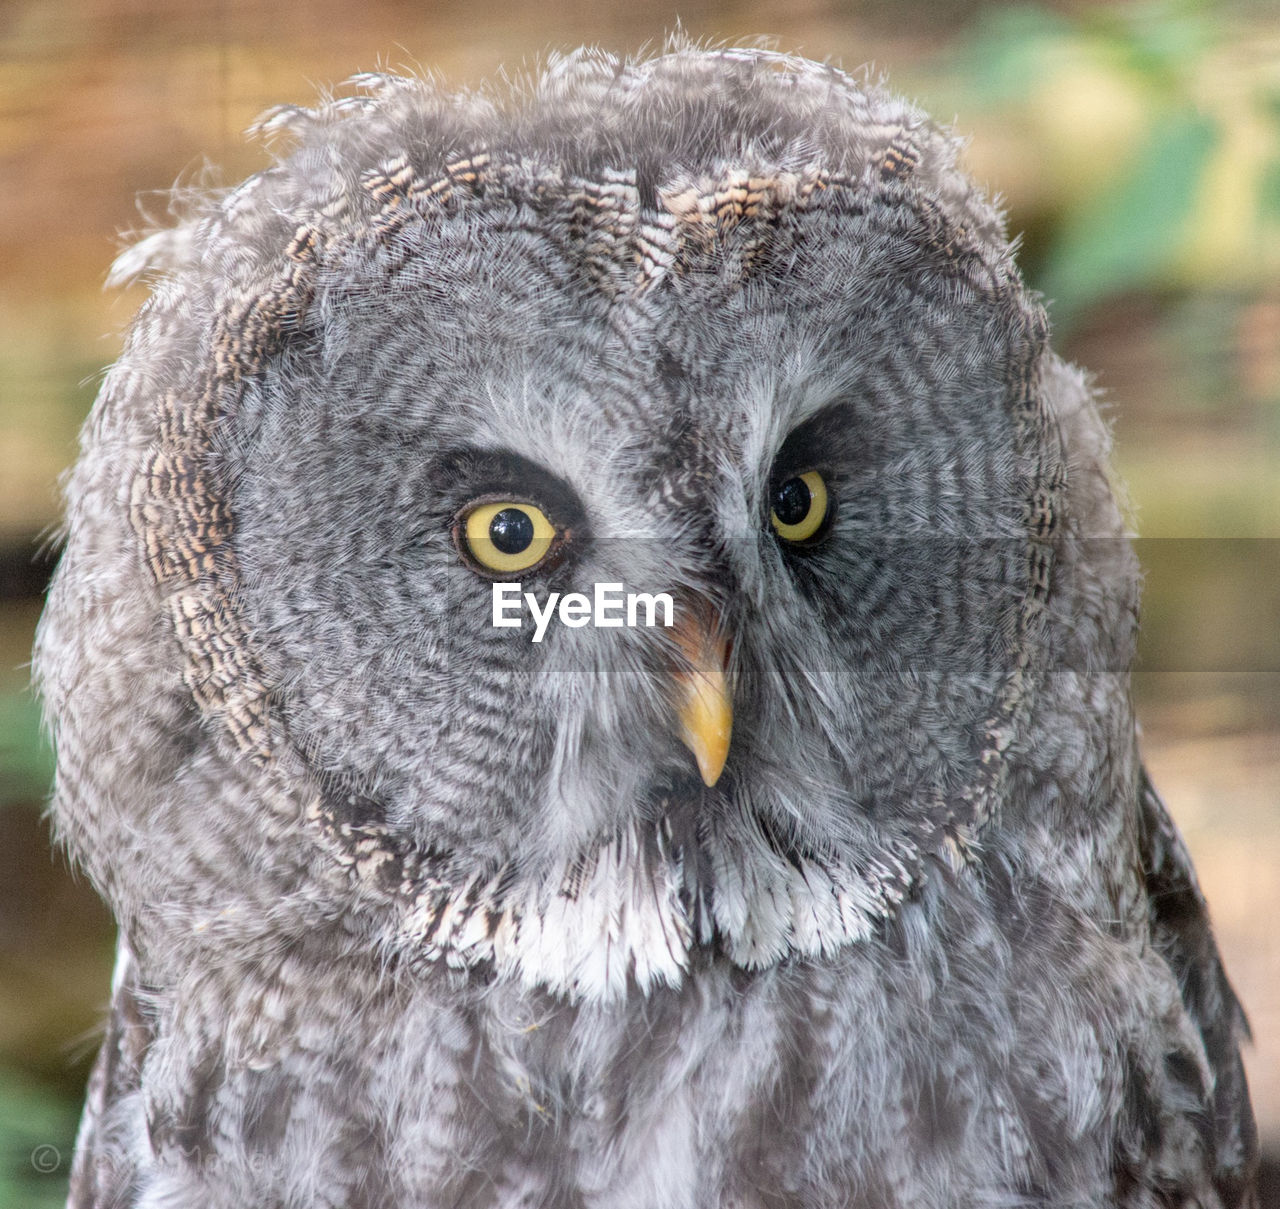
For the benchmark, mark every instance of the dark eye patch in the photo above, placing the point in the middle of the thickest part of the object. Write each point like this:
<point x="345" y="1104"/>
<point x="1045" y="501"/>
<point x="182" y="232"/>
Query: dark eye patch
<point x="466" y="473"/>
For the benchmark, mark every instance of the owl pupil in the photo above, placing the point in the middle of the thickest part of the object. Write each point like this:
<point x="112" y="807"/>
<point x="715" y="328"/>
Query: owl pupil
<point x="791" y="501"/>
<point x="511" y="530"/>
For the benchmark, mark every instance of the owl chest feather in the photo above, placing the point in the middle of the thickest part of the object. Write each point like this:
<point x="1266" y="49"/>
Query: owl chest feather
<point x="784" y="1086"/>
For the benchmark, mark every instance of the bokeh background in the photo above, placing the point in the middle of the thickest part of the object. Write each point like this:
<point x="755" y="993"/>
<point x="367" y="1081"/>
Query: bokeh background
<point x="1137" y="148"/>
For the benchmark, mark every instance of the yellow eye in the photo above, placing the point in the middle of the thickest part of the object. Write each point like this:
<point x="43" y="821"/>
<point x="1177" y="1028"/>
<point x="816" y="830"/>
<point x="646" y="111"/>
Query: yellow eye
<point x="506" y="536"/>
<point x="799" y="506"/>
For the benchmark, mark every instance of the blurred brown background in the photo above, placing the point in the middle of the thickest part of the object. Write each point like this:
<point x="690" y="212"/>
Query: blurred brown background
<point x="1137" y="147"/>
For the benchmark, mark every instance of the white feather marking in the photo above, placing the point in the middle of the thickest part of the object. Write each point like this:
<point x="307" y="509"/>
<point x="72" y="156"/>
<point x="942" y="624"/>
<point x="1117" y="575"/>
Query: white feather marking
<point x="615" y="918"/>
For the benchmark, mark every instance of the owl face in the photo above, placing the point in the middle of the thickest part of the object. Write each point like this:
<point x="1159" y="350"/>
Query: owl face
<point x="806" y="436"/>
<point x="726" y="329"/>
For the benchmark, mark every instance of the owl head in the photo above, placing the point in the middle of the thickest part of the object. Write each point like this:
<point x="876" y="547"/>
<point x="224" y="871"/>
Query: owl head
<point x="720" y="330"/>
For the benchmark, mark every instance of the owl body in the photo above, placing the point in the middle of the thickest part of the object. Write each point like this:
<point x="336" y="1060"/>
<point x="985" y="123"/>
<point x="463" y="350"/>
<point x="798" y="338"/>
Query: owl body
<point x="846" y="889"/>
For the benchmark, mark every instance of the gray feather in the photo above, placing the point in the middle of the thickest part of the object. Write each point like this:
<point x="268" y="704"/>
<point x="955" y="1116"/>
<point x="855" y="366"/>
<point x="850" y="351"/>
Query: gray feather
<point x="417" y="912"/>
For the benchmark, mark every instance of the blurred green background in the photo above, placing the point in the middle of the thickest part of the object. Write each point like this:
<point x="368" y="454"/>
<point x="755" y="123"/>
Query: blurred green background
<point x="1137" y="148"/>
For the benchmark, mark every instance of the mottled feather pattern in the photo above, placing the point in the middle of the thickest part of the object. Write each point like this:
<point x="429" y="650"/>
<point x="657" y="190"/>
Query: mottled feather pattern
<point x="417" y="912"/>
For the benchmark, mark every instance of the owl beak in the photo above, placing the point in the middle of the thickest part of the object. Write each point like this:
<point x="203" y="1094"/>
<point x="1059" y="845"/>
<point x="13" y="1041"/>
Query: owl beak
<point x="703" y="707"/>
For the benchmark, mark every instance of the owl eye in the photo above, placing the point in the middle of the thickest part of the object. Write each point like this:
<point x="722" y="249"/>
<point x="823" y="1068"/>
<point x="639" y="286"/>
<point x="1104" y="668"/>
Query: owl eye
<point x="506" y="536"/>
<point x="799" y="506"/>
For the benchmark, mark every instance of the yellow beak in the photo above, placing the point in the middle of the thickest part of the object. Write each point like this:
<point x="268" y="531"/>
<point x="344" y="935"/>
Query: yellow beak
<point x="703" y="706"/>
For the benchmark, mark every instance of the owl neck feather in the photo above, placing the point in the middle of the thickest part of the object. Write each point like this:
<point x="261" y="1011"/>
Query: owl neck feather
<point x="627" y="914"/>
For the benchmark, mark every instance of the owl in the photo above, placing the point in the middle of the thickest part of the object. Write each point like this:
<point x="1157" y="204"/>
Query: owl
<point x="590" y="665"/>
